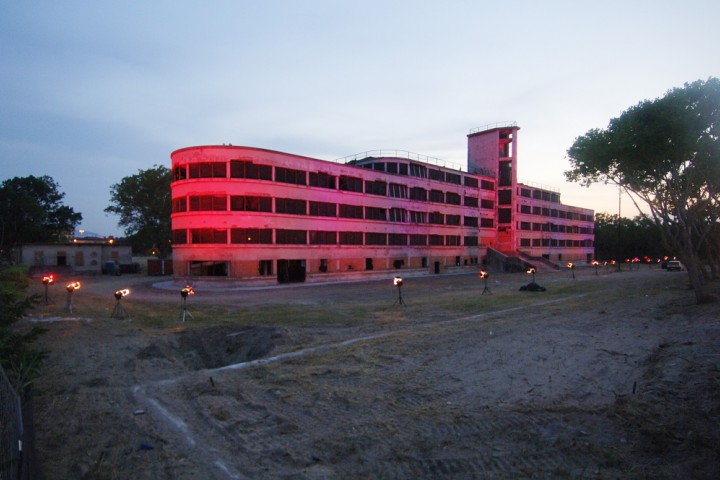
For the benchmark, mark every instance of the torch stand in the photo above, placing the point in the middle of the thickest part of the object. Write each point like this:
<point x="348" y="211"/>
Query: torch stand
<point x="184" y="311"/>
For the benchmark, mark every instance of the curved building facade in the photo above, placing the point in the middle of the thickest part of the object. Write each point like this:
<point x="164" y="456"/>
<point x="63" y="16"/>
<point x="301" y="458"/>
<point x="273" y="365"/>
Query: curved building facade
<point x="248" y="213"/>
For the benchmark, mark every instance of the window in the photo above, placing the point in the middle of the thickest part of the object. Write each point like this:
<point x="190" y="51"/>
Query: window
<point x="452" y="219"/>
<point x="504" y="215"/>
<point x="179" y="173"/>
<point x="524" y="242"/>
<point x="398" y="215"/>
<point x="398" y="191"/>
<point x="374" y="213"/>
<point x="418" y="171"/>
<point x="418" y="217"/>
<point x="486" y="223"/>
<point x="525" y="209"/>
<point x="417" y="193"/>
<point x="437" y="196"/>
<point x="505" y="174"/>
<point x="436" y="174"/>
<point x="208" y="170"/>
<point x="250" y="204"/>
<point x="487" y="204"/>
<point x="505" y="197"/>
<point x="376" y="187"/>
<point x="322" y="238"/>
<point x="250" y="235"/>
<point x="289" y="175"/>
<point x="452" y="240"/>
<point x="391" y="167"/>
<point x="374" y="238"/>
<point x="487" y="185"/>
<point x="179" y="205"/>
<point x="452" y="198"/>
<point x="290" y="237"/>
<point x="436" y="218"/>
<point x="244" y="169"/>
<point x="351" y="184"/>
<point x="291" y="206"/>
<point x="418" y="240"/>
<point x="436" y="240"/>
<point x="525" y="192"/>
<point x="207" y="203"/>
<point x="403" y="169"/>
<point x="397" y="239"/>
<point x="471" y="182"/>
<point x="179" y="237"/>
<point x="471" y="241"/>
<point x="351" y="238"/>
<point x="453" y="178"/>
<point x="207" y="235"/>
<point x="351" y="211"/>
<point x="470" y="221"/>
<point x="525" y="226"/>
<point x="323" y="180"/>
<point x="322" y="209"/>
<point x="470" y="201"/>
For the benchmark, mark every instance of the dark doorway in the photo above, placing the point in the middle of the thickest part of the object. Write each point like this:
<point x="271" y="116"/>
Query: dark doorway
<point x="437" y="267"/>
<point x="291" y="271"/>
<point x="208" y="269"/>
<point x="368" y="264"/>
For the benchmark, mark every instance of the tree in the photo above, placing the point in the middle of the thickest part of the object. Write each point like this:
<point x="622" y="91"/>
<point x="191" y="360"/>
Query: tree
<point x="665" y="154"/>
<point x="619" y="238"/>
<point x="31" y="210"/>
<point x="143" y="202"/>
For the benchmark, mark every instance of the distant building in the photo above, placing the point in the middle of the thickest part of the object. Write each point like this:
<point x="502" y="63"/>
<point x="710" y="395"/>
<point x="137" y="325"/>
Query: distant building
<point x="80" y="256"/>
<point x="249" y="213"/>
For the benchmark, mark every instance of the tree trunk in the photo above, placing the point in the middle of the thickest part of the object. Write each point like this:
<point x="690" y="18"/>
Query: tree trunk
<point x="694" y="269"/>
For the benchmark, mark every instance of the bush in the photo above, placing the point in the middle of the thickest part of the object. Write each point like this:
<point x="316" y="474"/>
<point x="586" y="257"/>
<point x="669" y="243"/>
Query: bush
<point x="21" y="362"/>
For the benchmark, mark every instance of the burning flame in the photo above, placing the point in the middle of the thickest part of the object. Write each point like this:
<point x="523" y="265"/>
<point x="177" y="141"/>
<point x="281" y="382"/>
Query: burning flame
<point x="570" y="265"/>
<point x="483" y="274"/>
<point x="123" y="293"/>
<point x="188" y="290"/>
<point x="48" y="279"/>
<point x="531" y="270"/>
<point x="73" y="286"/>
<point x="397" y="281"/>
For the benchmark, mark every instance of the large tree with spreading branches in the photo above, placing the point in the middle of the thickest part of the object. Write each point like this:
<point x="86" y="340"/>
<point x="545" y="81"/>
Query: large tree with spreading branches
<point x="143" y="202"/>
<point x="665" y="154"/>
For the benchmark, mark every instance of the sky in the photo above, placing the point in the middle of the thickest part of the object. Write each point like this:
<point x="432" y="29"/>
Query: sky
<point x="95" y="91"/>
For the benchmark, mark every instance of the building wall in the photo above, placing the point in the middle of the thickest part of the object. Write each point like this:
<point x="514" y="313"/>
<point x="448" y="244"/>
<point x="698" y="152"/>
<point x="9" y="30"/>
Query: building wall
<point x="80" y="257"/>
<point x="247" y="213"/>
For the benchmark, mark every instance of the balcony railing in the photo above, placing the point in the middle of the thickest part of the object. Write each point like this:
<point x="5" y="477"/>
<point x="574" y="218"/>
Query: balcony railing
<point x="399" y="154"/>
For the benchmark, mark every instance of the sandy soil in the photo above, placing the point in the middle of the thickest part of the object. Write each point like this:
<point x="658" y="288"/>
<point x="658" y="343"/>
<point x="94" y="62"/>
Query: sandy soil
<point x="618" y="378"/>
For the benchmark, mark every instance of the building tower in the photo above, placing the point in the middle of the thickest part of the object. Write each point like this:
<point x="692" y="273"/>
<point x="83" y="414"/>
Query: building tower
<point x="492" y="151"/>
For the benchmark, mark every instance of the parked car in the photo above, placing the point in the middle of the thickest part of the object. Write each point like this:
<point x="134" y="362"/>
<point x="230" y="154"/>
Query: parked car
<point x="675" y="265"/>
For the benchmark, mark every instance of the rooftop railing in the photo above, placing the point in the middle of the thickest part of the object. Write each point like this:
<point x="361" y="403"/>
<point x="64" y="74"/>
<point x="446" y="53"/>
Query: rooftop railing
<point x="491" y="126"/>
<point x="400" y="154"/>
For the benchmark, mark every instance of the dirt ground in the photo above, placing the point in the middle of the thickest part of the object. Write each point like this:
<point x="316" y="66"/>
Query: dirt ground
<point x="617" y="376"/>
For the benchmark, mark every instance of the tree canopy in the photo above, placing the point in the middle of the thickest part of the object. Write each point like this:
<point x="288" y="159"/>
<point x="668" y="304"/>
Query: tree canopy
<point x="665" y="154"/>
<point x="143" y="202"/>
<point x="31" y="210"/>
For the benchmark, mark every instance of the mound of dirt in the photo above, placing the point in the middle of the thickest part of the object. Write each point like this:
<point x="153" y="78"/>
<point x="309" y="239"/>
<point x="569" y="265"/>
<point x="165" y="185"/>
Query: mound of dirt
<point x="215" y="347"/>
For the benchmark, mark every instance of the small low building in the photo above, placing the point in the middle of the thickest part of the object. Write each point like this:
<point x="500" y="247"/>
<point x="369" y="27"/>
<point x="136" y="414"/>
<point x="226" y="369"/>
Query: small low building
<point x="79" y="256"/>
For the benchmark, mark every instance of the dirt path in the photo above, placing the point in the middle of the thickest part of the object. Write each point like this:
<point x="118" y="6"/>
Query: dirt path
<point x="618" y="379"/>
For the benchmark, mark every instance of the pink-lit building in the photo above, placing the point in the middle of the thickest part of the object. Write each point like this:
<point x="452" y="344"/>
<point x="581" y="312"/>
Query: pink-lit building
<point x="247" y="213"/>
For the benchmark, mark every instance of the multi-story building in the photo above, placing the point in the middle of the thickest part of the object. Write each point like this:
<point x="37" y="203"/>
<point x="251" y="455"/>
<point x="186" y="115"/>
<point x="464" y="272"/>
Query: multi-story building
<point x="250" y="213"/>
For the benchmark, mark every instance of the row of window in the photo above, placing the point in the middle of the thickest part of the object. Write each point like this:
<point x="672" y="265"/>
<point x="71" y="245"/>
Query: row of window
<point x="250" y="170"/>
<point x="250" y="236"/>
<point x="539" y="194"/>
<point x="239" y="203"/>
<point x="421" y="171"/>
<point x="551" y="227"/>
<point x="554" y="213"/>
<point x="552" y="242"/>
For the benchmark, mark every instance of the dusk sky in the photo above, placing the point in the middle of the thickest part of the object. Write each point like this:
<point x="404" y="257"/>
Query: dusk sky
<point x="94" y="91"/>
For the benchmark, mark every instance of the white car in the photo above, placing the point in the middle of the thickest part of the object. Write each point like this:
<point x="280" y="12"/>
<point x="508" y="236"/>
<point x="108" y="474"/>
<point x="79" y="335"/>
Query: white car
<point x="675" y="265"/>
